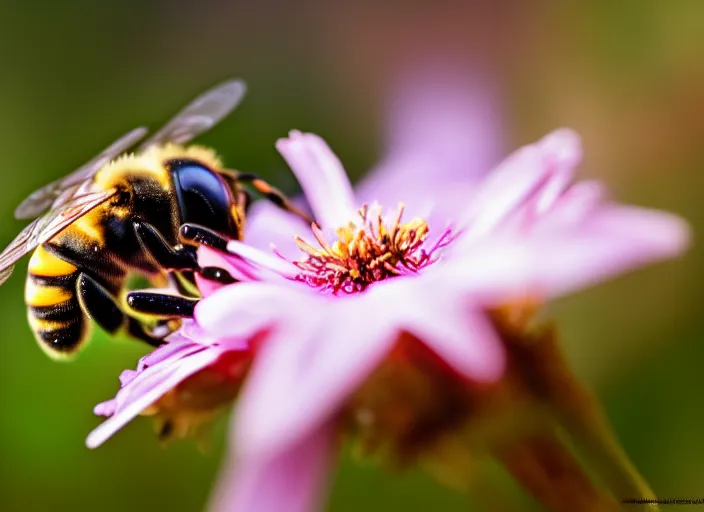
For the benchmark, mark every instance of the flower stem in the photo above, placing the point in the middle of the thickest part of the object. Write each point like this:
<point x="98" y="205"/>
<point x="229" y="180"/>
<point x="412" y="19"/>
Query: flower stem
<point x="579" y="412"/>
<point x="549" y="471"/>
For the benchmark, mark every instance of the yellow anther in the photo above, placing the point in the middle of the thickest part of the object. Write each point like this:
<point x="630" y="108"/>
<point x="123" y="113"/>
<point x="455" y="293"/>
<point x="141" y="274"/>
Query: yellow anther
<point x="365" y="252"/>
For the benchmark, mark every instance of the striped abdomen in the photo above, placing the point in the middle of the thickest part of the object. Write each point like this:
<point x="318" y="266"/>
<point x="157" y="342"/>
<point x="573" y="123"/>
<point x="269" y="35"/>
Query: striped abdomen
<point x="54" y="313"/>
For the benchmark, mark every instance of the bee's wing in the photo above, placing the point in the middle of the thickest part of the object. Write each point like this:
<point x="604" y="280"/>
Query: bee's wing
<point x="49" y="225"/>
<point x="200" y="115"/>
<point x="48" y="196"/>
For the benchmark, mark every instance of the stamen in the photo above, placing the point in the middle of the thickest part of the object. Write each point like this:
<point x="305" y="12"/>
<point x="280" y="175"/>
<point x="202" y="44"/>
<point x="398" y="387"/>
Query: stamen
<point x="367" y="252"/>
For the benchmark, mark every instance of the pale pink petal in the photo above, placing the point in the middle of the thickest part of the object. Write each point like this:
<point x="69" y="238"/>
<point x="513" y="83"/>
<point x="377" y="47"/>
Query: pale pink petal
<point x="239" y="270"/>
<point x="570" y="209"/>
<point x="173" y="350"/>
<point x="247" y="308"/>
<point x="562" y="152"/>
<point x="291" y="481"/>
<point x="449" y="119"/>
<point x="162" y="382"/>
<point x="457" y="331"/>
<point x="268" y="225"/>
<point x="615" y="240"/>
<point x="540" y="171"/>
<point x="553" y="263"/>
<point x="263" y="259"/>
<point x="322" y="178"/>
<point x="443" y="135"/>
<point x="306" y="370"/>
<point x="191" y="332"/>
<point x="127" y="376"/>
<point x="237" y="267"/>
<point x="106" y="408"/>
<point x="206" y="286"/>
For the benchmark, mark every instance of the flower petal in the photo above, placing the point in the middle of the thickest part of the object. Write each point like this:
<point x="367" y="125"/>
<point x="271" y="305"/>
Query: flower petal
<point x="322" y="177"/>
<point x="238" y="269"/>
<point x="457" y="331"/>
<point x="615" y="240"/>
<point x="244" y="309"/>
<point x="306" y="370"/>
<point x="263" y="260"/>
<point x="269" y="225"/>
<point x="106" y="408"/>
<point x="146" y="389"/>
<point x="571" y="209"/>
<point x="291" y="481"/>
<point x="443" y="135"/>
<point x="562" y="151"/>
<point x="541" y="170"/>
<point x="173" y="350"/>
<point x="549" y="264"/>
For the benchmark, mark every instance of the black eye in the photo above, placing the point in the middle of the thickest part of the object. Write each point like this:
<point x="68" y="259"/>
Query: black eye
<point x="204" y="197"/>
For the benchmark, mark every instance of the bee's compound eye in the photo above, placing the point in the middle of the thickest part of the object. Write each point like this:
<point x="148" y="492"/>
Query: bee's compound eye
<point x="204" y="198"/>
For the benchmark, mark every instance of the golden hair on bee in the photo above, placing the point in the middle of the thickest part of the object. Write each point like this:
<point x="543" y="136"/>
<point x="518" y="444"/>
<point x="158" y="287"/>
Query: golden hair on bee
<point x="150" y="164"/>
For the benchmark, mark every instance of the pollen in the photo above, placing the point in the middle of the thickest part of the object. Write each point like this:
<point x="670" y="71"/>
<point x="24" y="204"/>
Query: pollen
<point x="369" y="250"/>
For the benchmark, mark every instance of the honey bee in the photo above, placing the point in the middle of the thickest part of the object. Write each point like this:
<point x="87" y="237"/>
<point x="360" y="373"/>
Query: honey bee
<point x="123" y="214"/>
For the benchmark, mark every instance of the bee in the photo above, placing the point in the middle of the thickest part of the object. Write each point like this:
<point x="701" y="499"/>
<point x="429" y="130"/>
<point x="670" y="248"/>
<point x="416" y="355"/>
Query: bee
<point x="123" y="214"/>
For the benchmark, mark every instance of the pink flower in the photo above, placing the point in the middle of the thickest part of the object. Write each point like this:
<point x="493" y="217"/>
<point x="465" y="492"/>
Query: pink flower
<point x="471" y="136"/>
<point x="339" y="300"/>
<point x="184" y="382"/>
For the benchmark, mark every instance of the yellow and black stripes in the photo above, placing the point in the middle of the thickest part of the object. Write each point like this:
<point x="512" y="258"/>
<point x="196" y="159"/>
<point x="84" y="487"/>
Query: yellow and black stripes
<point x="53" y="309"/>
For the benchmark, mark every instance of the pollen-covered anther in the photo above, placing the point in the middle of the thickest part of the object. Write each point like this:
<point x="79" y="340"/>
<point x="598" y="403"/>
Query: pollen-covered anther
<point x="367" y="251"/>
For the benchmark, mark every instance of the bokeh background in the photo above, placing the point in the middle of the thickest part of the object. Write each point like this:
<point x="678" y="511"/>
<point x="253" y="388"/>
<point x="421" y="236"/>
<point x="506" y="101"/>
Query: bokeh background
<point x="628" y="75"/>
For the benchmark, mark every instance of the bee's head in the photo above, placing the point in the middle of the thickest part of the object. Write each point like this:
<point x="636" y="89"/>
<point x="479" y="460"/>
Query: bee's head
<point x="204" y="197"/>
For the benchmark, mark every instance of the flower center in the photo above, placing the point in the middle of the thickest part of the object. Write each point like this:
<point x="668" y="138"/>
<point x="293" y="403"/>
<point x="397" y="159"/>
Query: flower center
<point x="367" y="251"/>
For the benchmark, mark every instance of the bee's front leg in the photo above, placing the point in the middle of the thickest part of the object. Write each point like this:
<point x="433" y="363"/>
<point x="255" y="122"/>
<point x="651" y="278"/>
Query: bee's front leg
<point x="182" y="258"/>
<point x="152" y="336"/>
<point x="174" y="258"/>
<point x="270" y="193"/>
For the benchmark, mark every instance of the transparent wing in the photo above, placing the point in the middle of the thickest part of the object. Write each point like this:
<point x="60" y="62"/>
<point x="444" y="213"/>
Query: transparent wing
<point x="63" y="189"/>
<point x="200" y="115"/>
<point x="47" y="226"/>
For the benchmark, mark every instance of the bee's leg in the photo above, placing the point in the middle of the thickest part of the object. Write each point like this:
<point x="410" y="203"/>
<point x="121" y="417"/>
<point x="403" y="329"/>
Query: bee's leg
<point x="105" y="310"/>
<point x="244" y="200"/>
<point x="161" y="304"/>
<point x="99" y="304"/>
<point x="167" y="307"/>
<point x="182" y="258"/>
<point x="182" y="282"/>
<point x="138" y="330"/>
<point x="217" y="274"/>
<point x="242" y="203"/>
<point x="271" y="193"/>
<point x="179" y="258"/>
<point x="193" y="235"/>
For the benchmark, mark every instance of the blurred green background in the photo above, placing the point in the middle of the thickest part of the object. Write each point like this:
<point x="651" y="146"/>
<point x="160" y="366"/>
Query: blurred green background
<point x="628" y="75"/>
